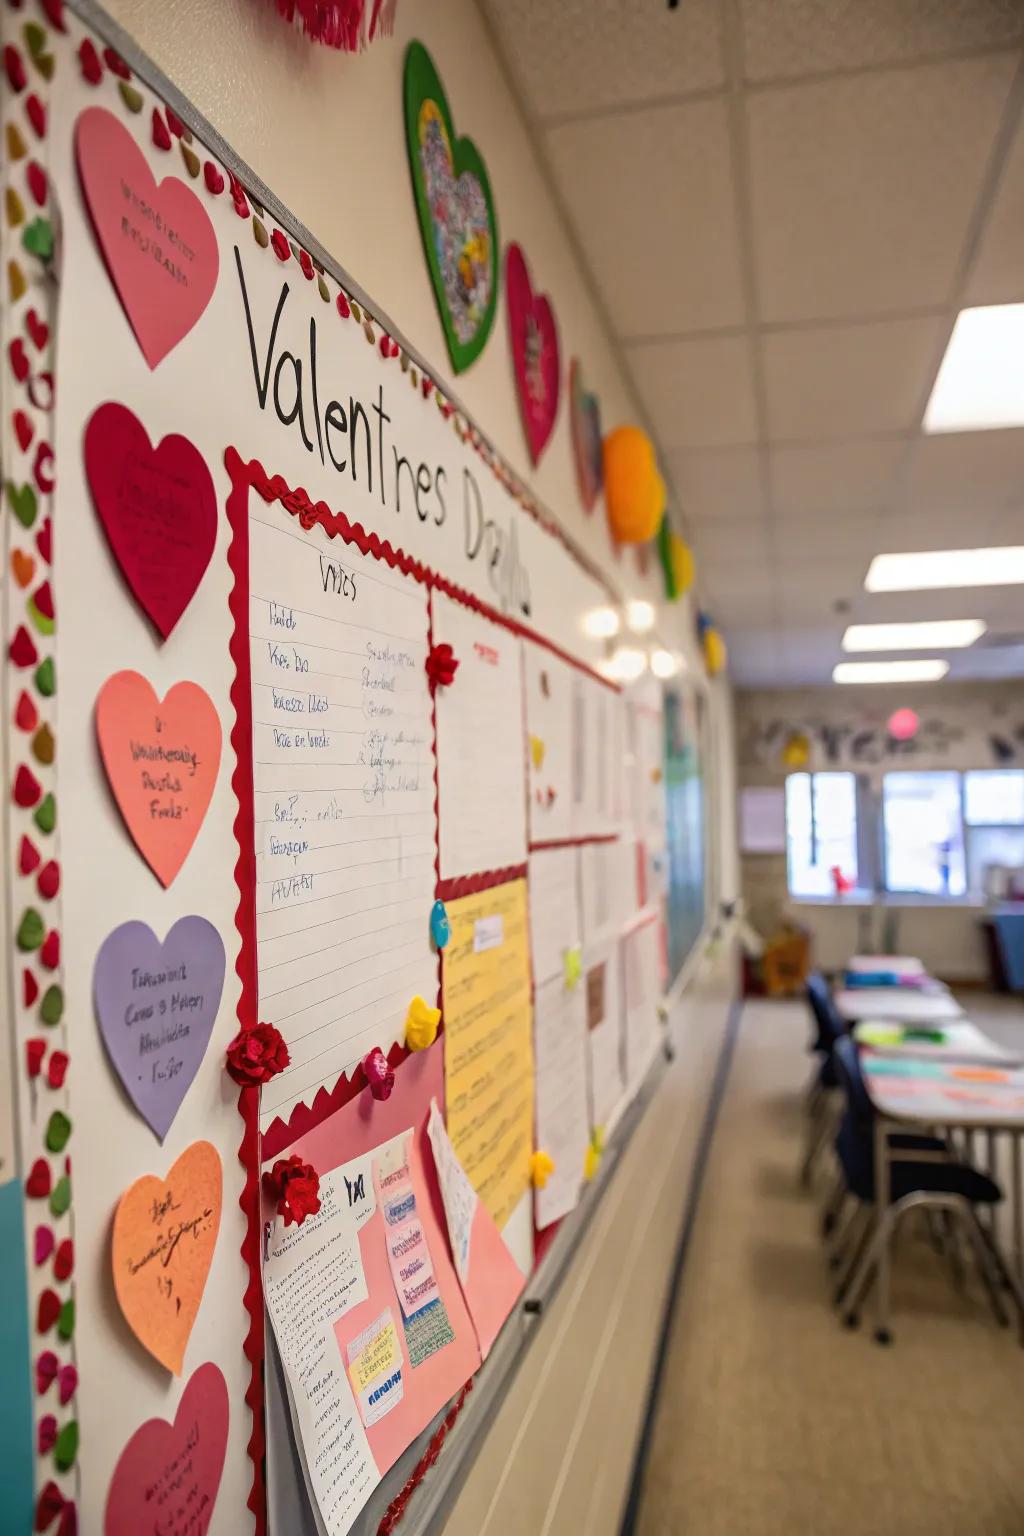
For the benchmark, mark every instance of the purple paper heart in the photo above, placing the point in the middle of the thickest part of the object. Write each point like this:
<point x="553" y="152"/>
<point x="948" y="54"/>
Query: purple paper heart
<point x="156" y="1004"/>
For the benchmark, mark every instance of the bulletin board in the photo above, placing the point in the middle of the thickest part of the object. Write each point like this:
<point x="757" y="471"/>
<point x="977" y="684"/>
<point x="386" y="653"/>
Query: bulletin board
<point x="336" y="866"/>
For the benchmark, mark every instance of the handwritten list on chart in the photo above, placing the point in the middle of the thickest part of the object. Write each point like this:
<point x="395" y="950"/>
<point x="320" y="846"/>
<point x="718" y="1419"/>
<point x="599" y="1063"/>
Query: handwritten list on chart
<point x="344" y="800"/>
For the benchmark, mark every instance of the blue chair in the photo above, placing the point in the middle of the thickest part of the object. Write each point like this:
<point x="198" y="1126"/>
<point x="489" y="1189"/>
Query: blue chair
<point x="923" y="1173"/>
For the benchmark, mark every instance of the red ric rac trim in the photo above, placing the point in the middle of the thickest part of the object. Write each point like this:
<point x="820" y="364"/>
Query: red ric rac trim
<point x="486" y="880"/>
<point x="396" y="1509"/>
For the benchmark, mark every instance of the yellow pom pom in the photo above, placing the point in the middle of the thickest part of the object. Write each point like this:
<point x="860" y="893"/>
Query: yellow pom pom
<point x="421" y="1025"/>
<point x="715" y="654"/>
<point x="634" y="491"/>
<point x="573" y="967"/>
<point x="541" y="1168"/>
<point x="797" y="751"/>
<point x="537" y="751"/>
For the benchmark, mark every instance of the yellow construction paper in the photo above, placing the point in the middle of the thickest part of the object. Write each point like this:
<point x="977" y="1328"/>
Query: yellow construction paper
<point x="381" y="1354"/>
<point x="488" y="1055"/>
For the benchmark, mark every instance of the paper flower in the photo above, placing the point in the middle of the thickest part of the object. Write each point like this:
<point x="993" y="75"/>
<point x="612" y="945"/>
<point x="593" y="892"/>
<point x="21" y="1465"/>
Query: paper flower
<point x="442" y="665"/>
<point x="379" y="1074"/>
<point x="421" y="1025"/>
<point x="294" y="1186"/>
<point x="256" y="1055"/>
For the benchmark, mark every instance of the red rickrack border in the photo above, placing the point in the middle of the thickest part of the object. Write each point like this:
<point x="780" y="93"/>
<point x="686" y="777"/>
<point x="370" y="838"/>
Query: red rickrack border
<point x="472" y="885"/>
<point x="396" y="1509"/>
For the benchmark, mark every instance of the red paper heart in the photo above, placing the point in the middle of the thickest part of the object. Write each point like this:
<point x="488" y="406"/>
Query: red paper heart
<point x="67" y="1383"/>
<point x="19" y="359"/>
<point x="48" y="882"/>
<point x="38" y="1184"/>
<point x="161" y="133"/>
<point x="22" y="651"/>
<point x="47" y="1311"/>
<point x="48" y="1506"/>
<point x="49" y="950"/>
<point x="27" y="788"/>
<point x="158" y="508"/>
<point x="36" y="178"/>
<point x="36" y="114"/>
<point x="182" y="1461"/>
<point x="28" y="856"/>
<point x="535" y="358"/>
<point x="24" y="431"/>
<point x="29" y="988"/>
<point x="64" y="1262"/>
<point x="47" y="1433"/>
<point x="214" y="178"/>
<point x="41" y="472"/>
<point x="92" y="69"/>
<point x="56" y="1071"/>
<point x="35" y="1050"/>
<point x="44" y="1241"/>
<point x="46" y="1371"/>
<point x="42" y="597"/>
<point x="37" y="329"/>
<point x="161" y="759"/>
<point x="130" y="211"/>
<point x="44" y="540"/>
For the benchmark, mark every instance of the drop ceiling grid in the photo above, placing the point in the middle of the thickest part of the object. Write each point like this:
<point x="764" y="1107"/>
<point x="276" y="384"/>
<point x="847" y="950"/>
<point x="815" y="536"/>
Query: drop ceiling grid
<point x="783" y="204"/>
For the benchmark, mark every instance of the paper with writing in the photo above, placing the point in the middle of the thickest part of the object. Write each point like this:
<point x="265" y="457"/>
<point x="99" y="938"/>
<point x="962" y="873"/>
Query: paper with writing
<point x="608" y="887"/>
<point x="344" y="800"/>
<point x="314" y="1275"/>
<point x="597" y="757"/>
<point x="481" y="770"/>
<point x="549" y="723"/>
<point x="457" y="1193"/>
<point x="156" y="1005"/>
<point x="375" y="1368"/>
<point x="554" y="910"/>
<point x="161" y="758"/>
<point x="563" y="1120"/>
<point x="165" y="1231"/>
<point x="641" y="969"/>
<point x="173" y="1468"/>
<point x="603" y="986"/>
<point x="488" y="1054"/>
<point x="408" y="1254"/>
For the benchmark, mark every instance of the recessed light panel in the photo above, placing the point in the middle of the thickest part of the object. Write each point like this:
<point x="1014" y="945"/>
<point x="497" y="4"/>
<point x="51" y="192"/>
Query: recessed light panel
<point x="980" y="385"/>
<point x="890" y="671"/>
<point x="928" y="635"/>
<point x="923" y="570"/>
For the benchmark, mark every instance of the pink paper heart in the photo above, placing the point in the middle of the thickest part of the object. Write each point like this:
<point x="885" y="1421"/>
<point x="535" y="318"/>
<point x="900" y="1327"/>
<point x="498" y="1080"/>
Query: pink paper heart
<point x="534" y="338"/>
<point x="67" y="1383"/>
<point x="44" y="1243"/>
<point x="173" y="1467"/>
<point x="157" y="239"/>
<point x="47" y="1433"/>
<point x="46" y="1370"/>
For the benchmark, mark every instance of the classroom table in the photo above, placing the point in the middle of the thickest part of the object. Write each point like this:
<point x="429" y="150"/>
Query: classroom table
<point x="957" y="1041"/>
<point x="912" y="1094"/>
<point x="900" y="965"/>
<point x="898" y="1005"/>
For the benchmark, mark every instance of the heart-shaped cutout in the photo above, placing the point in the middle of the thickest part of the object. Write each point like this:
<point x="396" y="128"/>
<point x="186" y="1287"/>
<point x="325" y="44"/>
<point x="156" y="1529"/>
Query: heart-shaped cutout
<point x="533" y="335"/>
<point x="585" y="421"/>
<point x="158" y="508"/>
<point x="173" y="1468"/>
<point x="458" y="221"/>
<point x="156" y="1005"/>
<point x="165" y="1231"/>
<point x="161" y="760"/>
<point x="23" y="567"/>
<point x="157" y="239"/>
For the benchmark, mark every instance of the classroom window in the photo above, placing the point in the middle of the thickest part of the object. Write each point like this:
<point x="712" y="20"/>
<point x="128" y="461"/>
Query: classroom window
<point x="994" y="818"/>
<point x="922" y="820"/>
<point x="821" y="832"/>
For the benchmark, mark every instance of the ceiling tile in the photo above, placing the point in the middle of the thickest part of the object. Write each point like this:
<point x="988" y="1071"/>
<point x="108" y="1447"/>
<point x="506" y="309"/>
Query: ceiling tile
<point x="744" y="612"/>
<point x="723" y="542"/>
<point x="833" y="477"/>
<point x="719" y="483"/>
<point x="862" y="187"/>
<point x="784" y="38"/>
<point x="966" y="473"/>
<point x="586" y="55"/>
<point x="733" y="578"/>
<point x="650" y="195"/>
<point x="847" y="381"/>
<point x="698" y="393"/>
<point x="936" y="528"/>
<point x="801" y="541"/>
<point x="997" y="275"/>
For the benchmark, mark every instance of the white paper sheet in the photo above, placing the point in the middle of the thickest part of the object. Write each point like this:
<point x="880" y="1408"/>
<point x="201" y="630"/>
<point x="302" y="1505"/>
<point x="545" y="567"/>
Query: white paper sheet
<point x="313" y="1275"/>
<point x="554" y="910"/>
<point x="641" y="983"/>
<point x="344" y="792"/>
<point x="602" y="980"/>
<point x="763" y="820"/>
<point x="481" y="767"/>
<point x="598" y="780"/>
<point x="563" y="1128"/>
<point x="457" y="1193"/>
<point x="608" y="887"/>
<point x="549" y="725"/>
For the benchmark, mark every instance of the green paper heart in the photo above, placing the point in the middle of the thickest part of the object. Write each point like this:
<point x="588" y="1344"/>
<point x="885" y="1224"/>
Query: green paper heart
<point x="23" y="503"/>
<point x="463" y="260"/>
<point x="46" y="679"/>
<point x="665" y="555"/>
<point x="31" y="930"/>
<point x="35" y="38"/>
<point x="38" y="238"/>
<point x="66" y="1319"/>
<point x="51" y="1009"/>
<point x="42" y="622"/>
<point x="58" y="1130"/>
<point x="60" y="1196"/>
<point x="45" y="814"/>
<point x="65" y="1447"/>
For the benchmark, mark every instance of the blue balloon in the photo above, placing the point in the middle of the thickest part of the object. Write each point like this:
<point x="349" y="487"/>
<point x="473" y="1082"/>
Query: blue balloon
<point x="440" y="927"/>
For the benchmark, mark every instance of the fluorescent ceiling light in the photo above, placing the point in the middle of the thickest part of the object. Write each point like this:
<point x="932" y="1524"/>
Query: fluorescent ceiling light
<point x="664" y="664"/>
<point x="601" y="623"/>
<point x="980" y="385"/>
<point x="928" y="635"/>
<point x="890" y="671"/>
<point x="640" y="615"/>
<point x="933" y="568"/>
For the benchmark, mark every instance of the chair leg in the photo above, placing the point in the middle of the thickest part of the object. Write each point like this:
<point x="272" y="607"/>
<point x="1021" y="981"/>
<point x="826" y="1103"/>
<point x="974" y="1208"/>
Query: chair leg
<point x="817" y="1140"/>
<point x="951" y="1232"/>
<point x="883" y="1333"/>
<point x="838" y="1244"/>
<point x="858" y="1253"/>
<point x="834" y="1205"/>
<point x="986" y="1267"/>
<point x="1010" y="1280"/>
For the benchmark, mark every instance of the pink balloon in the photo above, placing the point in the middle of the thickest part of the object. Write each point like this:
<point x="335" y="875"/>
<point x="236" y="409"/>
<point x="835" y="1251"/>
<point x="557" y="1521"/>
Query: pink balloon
<point x="903" y="724"/>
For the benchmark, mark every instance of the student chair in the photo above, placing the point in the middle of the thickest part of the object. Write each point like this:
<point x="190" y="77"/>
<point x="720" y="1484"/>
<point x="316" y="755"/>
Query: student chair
<point x="922" y="1173"/>
<point x="821" y="1094"/>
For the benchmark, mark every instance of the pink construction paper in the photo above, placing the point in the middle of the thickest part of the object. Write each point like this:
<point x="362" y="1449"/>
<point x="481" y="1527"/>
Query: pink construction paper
<point x="157" y="239"/>
<point x="353" y="1131"/>
<point x="167" y="1476"/>
<point x="533" y="335"/>
<point x="495" y="1281"/>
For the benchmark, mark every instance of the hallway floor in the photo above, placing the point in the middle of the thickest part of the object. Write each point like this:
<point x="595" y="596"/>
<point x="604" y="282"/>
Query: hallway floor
<point x="776" y="1421"/>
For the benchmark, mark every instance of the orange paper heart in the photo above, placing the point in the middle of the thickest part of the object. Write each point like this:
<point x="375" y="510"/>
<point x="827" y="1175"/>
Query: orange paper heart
<point x="23" y="566"/>
<point x="165" y="1232"/>
<point x="161" y="760"/>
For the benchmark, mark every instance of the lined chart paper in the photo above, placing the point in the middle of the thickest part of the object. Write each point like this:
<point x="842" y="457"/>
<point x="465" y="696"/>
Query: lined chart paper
<point x="344" y="800"/>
